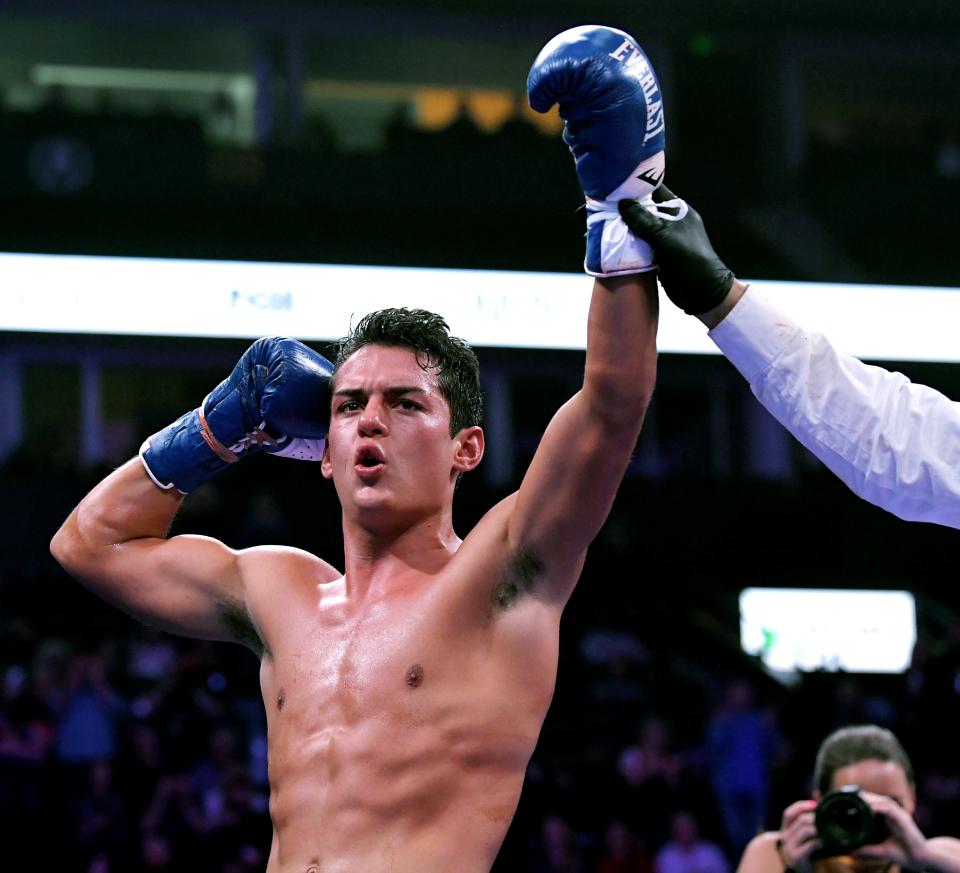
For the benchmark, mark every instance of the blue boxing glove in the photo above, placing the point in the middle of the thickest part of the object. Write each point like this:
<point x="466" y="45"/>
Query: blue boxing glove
<point x="277" y="399"/>
<point x="612" y="110"/>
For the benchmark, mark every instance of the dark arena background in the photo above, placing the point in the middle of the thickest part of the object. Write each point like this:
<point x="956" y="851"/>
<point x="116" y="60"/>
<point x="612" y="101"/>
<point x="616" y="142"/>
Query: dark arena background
<point x="821" y="143"/>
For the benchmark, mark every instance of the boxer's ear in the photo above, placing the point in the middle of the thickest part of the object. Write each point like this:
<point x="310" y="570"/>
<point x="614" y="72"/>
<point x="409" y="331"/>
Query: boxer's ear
<point x="468" y="452"/>
<point x="326" y="467"/>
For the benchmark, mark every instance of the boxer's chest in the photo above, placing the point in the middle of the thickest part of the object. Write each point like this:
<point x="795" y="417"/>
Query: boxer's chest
<point x="396" y="659"/>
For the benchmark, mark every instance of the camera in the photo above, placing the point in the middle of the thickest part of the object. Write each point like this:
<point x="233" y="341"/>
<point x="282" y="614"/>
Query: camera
<point x="845" y="821"/>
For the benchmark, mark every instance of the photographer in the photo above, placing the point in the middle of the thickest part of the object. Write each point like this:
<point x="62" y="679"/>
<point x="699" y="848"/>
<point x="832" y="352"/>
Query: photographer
<point x="869" y="829"/>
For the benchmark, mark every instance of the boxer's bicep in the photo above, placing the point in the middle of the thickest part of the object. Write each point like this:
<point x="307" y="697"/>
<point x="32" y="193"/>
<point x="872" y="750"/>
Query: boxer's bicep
<point x="115" y="543"/>
<point x="188" y="585"/>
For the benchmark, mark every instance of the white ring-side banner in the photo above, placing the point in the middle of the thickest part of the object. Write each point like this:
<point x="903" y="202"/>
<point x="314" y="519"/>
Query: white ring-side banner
<point x="247" y="299"/>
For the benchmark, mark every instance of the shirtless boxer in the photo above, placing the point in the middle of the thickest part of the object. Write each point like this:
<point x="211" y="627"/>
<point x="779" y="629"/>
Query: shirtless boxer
<point x="893" y="442"/>
<point x="404" y="695"/>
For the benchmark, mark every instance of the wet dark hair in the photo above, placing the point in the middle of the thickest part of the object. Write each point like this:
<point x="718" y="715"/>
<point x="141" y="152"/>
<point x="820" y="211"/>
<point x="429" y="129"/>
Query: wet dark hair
<point x="428" y="336"/>
<point x="851" y="745"/>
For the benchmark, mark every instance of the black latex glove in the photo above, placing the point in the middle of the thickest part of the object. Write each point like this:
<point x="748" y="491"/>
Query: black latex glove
<point x="694" y="278"/>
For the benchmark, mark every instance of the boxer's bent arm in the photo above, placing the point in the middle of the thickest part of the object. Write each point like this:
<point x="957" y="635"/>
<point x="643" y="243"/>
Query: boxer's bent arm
<point x="115" y="544"/>
<point x="568" y="490"/>
<point x="892" y="442"/>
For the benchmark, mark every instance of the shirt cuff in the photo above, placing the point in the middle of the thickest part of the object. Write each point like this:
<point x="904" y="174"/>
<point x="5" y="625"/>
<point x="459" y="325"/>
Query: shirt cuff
<point x="753" y="334"/>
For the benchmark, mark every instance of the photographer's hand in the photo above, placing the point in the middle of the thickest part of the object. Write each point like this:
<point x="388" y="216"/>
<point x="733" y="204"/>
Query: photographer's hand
<point x="788" y="849"/>
<point x="798" y="836"/>
<point x="907" y="846"/>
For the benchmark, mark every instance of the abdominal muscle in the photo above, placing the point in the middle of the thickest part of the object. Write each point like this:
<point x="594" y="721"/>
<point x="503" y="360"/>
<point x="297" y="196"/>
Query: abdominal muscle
<point x="381" y="797"/>
<point x="369" y="774"/>
<point x="399" y="729"/>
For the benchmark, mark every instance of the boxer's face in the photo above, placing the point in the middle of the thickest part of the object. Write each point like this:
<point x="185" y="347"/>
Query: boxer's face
<point x="389" y="447"/>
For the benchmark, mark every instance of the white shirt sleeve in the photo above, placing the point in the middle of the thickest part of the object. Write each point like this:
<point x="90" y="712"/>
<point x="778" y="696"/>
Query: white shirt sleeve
<point x="894" y="443"/>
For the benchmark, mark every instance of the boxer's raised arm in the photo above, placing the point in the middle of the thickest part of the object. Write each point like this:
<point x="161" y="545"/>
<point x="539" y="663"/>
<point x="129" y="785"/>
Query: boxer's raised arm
<point x="572" y="481"/>
<point x="612" y="109"/>
<point x="275" y="400"/>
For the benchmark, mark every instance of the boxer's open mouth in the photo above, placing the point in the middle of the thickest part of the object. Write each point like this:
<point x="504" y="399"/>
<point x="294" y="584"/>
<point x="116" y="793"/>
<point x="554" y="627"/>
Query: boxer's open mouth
<point x="369" y="458"/>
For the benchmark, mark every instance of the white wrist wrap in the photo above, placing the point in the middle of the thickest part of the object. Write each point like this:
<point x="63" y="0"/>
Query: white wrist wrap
<point x="302" y="449"/>
<point x="612" y="250"/>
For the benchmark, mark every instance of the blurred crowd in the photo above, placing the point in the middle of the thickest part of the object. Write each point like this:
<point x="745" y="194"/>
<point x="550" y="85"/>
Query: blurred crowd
<point x="135" y="753"/>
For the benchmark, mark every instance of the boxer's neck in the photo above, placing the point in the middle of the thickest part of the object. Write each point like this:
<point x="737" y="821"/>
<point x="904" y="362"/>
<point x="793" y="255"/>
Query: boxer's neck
<point x="376" y="556"/>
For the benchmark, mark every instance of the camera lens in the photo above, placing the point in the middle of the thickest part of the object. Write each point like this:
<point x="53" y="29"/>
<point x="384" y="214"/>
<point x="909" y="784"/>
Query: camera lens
<point x="844" y="822"/>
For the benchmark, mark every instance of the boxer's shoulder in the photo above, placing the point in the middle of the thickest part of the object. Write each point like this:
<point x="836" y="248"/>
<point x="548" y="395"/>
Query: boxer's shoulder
<point x="281" y="584"/>
<point x="271" y="570"/>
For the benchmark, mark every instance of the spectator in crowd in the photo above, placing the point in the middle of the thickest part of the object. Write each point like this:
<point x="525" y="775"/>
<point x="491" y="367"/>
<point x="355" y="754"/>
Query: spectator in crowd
<point x="742" y="742"/>
<point x="687" y="852"/>
<point x="102" y="820"/>
<point x="623" y="852"/>
<point x="157" y="855"/>
<point x="175" y="814"/>
<point x="239" y="826"/>
<point x="557" y="851"/>
<point x="649" y="787"/>
<point x="151" y="658"/>
<point x="87" y="723"/>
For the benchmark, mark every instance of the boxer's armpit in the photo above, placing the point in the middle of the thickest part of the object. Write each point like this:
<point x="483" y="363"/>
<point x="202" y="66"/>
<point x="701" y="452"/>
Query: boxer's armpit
<point x="523" y="569"/>
<point x="236" y="620"/>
